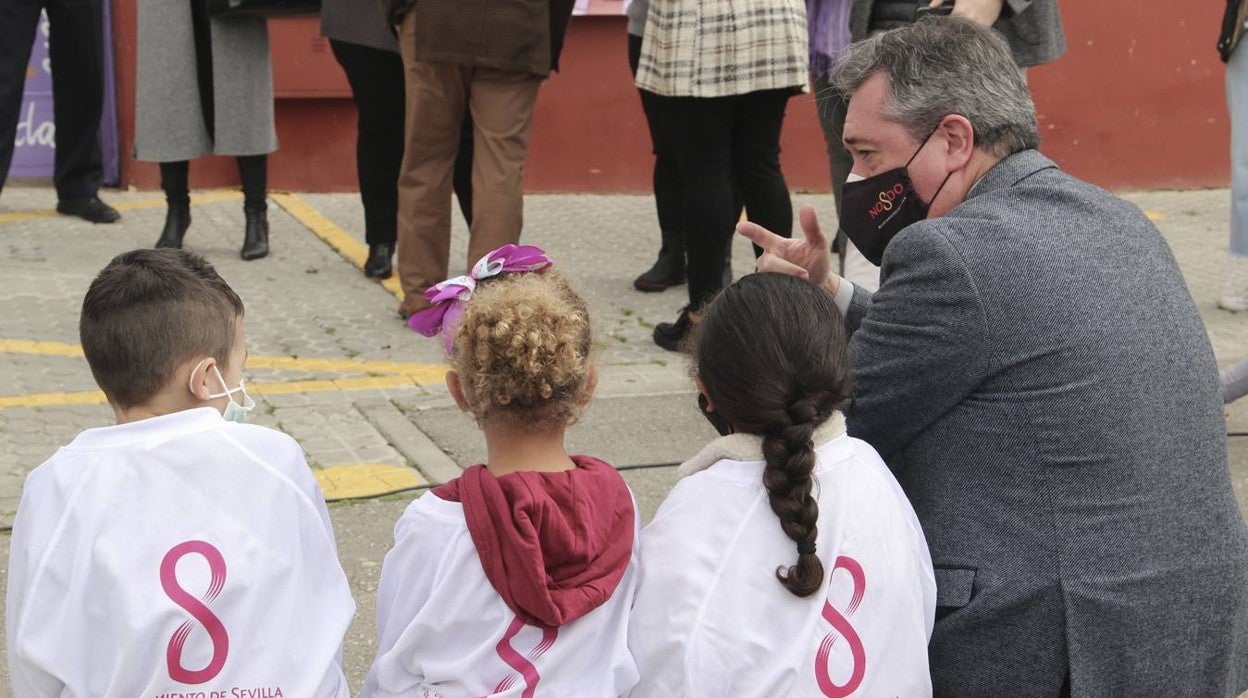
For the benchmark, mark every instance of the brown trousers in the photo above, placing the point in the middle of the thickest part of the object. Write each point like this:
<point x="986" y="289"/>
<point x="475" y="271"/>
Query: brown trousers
<point x="502" y="112"/>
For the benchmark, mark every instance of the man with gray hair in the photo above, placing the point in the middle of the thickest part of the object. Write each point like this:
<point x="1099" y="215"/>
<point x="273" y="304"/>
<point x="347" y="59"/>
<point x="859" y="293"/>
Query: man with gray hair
<point x="1036" y="374"/>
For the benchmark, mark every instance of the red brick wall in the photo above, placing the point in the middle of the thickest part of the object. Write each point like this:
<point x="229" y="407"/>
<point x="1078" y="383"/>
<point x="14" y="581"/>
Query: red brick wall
<point x="1136" y="103"/>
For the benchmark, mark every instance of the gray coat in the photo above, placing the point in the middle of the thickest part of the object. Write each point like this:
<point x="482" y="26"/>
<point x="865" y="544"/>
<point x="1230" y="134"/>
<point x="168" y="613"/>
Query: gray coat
<point x="357" y="22"/>
<point x="169" y="123"/>
<point x="1037" y="376"/>
<point x="1033" y="29"/>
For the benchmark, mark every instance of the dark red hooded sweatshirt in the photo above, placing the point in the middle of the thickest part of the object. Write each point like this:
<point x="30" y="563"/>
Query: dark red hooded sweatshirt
<point x="553" y="544"/>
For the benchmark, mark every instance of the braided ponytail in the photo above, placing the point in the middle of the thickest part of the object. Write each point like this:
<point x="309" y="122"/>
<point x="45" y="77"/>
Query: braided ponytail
<point x="770" y="353"/>
<point x="790" y="456"/>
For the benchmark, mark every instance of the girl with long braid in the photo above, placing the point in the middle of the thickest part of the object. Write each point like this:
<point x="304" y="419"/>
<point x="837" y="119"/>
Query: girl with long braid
<point x="786" y="561"/>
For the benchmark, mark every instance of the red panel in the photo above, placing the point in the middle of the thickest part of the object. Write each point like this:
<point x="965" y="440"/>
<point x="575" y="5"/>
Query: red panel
<point x="1137" y="103"/>
<point x="303" y="63"/>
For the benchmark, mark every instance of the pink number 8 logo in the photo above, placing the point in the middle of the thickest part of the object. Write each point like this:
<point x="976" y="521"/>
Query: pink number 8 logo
<point x="197" y="609"/>
<point x="523" y="663"/>
<point x="841" y="626"/>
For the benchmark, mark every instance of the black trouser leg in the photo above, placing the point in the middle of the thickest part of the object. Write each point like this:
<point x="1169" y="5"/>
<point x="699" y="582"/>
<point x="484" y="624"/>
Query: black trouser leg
<point x="76" y="49"/>
<point x="756" y="160"/>
<point x="666" y="180"/>
<point x="18" y="21"/>
<point x="377" y="85"/>
<point x="461" y="177"/>
<point x="700" y="131"/>
<point x="253" y="170"/>
<point x="175" y="181"/>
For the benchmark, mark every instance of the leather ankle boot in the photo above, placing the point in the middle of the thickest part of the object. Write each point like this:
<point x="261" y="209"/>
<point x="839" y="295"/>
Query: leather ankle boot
<point x="668" y="269"/>
<point x="177" y="220"/>
<point x="256" y="235"/>
<point x="378" y="265"/>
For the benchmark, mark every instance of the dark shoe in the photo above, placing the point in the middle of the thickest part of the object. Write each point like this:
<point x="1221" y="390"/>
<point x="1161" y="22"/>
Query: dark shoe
<point x="378" y="264"/>
<point x="90" y="209"/>
<point x="668" y="269"/>
<point x="673" y="336"/>
<point x="255" y="236"/>
<point x="177" y="220"/>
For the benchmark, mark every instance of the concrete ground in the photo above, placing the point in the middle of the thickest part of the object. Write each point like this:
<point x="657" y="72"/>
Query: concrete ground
<point x="333" y="366"/>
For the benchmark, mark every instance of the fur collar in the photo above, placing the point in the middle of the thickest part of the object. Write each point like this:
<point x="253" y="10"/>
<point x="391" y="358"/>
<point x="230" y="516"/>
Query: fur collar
<point x="749" y="447"/>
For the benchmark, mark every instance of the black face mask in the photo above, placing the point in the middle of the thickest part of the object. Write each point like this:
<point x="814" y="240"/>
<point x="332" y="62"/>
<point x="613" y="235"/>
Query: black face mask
<point x="721" y="425"/>
<point x="875" y="209"/>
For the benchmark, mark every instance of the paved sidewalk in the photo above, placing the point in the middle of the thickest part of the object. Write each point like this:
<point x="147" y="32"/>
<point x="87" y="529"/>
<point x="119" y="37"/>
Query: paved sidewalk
<point x="334" y="366"/>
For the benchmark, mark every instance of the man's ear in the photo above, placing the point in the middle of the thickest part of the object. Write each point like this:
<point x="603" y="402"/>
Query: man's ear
<point x="456" y="387"/>
<point x="591" y="384"/>
<point x="960" y="141"/>
<point x="201" y="380"/>
<point x="710" y="405"/>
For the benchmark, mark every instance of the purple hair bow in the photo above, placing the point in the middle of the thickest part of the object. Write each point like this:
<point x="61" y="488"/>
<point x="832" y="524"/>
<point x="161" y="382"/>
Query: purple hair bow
<point x="448" y="297"/>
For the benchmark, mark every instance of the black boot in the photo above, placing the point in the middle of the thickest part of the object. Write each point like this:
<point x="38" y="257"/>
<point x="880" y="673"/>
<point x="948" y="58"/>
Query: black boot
<point x="668" y="269"/>
<point x="674" y="336"/>
<point x="177" y="220"/>
<point x="256" y="235"/>
<point x="378" y="265"/>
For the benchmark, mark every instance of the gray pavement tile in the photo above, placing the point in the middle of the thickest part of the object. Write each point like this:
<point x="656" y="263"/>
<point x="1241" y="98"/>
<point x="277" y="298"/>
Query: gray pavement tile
<point x="419" y="450"/>
<point x="625" y="430"/>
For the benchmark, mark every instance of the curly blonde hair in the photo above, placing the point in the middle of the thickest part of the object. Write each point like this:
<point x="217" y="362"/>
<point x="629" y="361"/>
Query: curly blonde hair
<point x="522" y="349"/>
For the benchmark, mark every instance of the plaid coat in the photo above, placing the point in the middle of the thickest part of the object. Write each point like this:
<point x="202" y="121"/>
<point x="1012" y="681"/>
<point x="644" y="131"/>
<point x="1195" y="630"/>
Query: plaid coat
<point x="720" y="48"/>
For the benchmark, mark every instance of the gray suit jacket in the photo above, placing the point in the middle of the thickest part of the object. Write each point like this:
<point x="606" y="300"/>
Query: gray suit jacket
<point x="1037" y="376"/>
<point x="1033" y="29"/>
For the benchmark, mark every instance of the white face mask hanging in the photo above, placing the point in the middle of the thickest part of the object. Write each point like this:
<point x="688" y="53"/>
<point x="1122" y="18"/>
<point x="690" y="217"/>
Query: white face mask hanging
<point x="234" y="411"/>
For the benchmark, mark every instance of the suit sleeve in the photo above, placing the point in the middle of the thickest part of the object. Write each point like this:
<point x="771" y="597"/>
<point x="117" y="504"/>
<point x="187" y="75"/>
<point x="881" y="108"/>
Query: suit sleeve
<point x="858" y="306"/>
<point x="922" y="348"/>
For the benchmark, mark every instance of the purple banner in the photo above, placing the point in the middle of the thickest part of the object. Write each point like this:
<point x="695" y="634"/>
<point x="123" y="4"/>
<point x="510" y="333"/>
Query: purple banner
<point x="36" y="133"/>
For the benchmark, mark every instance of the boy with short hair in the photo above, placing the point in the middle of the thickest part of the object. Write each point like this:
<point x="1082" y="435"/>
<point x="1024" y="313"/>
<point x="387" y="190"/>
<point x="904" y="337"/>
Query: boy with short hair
<point x="177" y="552"/>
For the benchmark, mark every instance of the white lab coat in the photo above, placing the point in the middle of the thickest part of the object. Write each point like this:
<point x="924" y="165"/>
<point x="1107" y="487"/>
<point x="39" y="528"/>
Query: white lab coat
<point x="712" y="620"/>
<point x="443" y="629"/>
<point x="177" y="555"/>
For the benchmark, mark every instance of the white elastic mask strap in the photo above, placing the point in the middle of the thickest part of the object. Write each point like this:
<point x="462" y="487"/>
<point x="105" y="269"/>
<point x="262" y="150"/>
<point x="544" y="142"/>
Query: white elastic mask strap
<point x="228" y="392"/>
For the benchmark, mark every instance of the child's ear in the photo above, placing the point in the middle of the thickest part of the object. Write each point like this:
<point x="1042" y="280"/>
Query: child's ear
<point x="710" y="405"/>
<point x="456" y="387"/>
<point x="591" y="385"/>
<point x="201" y="377"/>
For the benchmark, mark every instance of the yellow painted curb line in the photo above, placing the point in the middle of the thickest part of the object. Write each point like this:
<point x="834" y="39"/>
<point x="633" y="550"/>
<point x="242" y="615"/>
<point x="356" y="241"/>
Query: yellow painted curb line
<point x="424" y="372"/>
<point x="346" y="385"/>
<point x="390" y="374"/>
<point x="421" y="373"/>
<point x="365" y="480"/>
<point x="23" y="346"/>
<point x="351" y="249"/>
<point x="1155" y="216"/>
<point x="211" y="197"/>
<point x="86" y="397"/>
